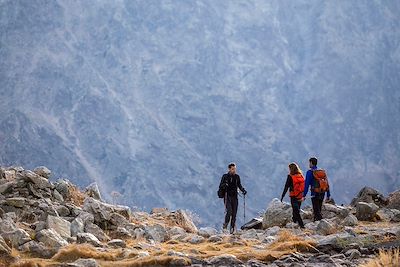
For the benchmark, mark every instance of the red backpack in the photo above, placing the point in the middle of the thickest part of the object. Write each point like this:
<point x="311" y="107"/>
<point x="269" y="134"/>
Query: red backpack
<point x="321" y="184"/>
<point x="298" y="186"/>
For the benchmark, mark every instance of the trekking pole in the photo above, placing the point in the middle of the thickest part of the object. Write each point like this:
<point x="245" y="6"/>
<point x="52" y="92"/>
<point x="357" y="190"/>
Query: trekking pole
<point x="244" y="208"/>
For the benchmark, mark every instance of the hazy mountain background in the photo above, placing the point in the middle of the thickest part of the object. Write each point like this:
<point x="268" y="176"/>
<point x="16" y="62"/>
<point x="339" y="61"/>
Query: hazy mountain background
<point x="154" y="98"/>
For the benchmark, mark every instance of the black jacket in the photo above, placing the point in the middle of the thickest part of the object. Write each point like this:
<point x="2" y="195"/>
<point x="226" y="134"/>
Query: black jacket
<point x="232" y="182"/>
<point x="288" y="185"/>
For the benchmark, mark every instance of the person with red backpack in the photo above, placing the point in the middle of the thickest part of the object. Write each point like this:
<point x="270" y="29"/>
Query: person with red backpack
<point x="295" y="184"/>
<point x="318" y="180"/>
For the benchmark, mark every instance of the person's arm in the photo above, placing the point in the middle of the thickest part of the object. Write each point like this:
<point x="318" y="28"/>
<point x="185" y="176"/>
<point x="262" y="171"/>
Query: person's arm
<point x="287" y="185"/>
<point x="223" y="181"/>
<point x="239" y="184"/>
<point x="307" y="184"/>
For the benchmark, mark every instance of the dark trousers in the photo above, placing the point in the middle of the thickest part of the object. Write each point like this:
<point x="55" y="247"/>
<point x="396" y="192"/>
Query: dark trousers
<point x="296" y="204"/>
<point x="231" y="207"/>
<point x="317" y="206"/>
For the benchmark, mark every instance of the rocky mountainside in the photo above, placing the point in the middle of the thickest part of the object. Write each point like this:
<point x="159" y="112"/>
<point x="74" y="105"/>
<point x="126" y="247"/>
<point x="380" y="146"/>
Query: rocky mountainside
<point x="153" y="100"/>
<point x="55" y="224"/>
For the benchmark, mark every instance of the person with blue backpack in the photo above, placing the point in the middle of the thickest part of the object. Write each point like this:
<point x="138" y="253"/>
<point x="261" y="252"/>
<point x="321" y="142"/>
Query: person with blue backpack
<point x="318" y="181"/>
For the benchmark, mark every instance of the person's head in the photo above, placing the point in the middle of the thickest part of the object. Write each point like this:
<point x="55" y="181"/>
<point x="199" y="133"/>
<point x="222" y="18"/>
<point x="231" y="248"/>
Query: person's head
<point x="313" y="162"/>
<point x="294" y="169"/>
<point x="232" y="168"/>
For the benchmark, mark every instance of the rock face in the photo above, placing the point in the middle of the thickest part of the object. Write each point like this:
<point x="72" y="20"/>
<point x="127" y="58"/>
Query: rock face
<point x="277" y="214"/>
<point x="51" y="238"/>
<point x="370" y="195"/>
<point x="61" y="226"/>
<point x="394" y="200"/>
<point x="366" y="211"/>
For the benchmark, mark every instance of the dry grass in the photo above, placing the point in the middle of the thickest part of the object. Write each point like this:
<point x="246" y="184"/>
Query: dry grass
<point x="73" y="252"/>
<point x="287" y="241"/>
<point x="390" y="258"/>
<point x="76" y="196"/>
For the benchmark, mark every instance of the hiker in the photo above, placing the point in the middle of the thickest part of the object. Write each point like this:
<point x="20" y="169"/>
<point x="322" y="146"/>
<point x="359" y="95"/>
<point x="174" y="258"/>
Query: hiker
<point x="228" y="189"/>
<point x="318" y="181"/>
<point x="295" y="184"/>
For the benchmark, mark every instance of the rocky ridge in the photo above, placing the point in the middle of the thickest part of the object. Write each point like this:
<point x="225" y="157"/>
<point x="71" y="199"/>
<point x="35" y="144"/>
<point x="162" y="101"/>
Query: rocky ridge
<point x="55" y="224"/>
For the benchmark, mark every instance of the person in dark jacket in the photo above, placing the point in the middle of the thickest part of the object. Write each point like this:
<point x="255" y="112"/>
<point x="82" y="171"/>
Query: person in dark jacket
<point x="231" y="182"/>
<point x="317" y="199"/>
<point x="295" y="185"/>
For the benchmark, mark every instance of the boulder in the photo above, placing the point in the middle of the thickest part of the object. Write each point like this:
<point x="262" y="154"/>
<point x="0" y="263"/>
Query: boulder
<point x="120" y="233"/>
<point x="77" y="226"/>
<point x="7" y="225"/>
<point x="17" y="237"/>
<point x="61" y="226"/>
<point x="195" y="239"/>
<point x="394" y="200"/>
<point x="96" y="231"/>
<point x="176" y="230"/>
<point x="277" y="214"/>
<point x="385" y="214"/>
<point x="82" y="238"/>
<point x="370" y="195"/>
<point x="224" y="260"/>
<point x="350" y="220"/>
<point x="85" y="263"/>
<point x="207" y="231"/>
<point x="4" y="188"/>
<point x="156" y="232"/>
<point x="249" y="234"/>
<point x="57" y="196"/>
<point x="102" y="212"/>
<point x="42" y="171"/>
<point x="273" y="231"/>
<point x="159" y="210"/>
<point x="93" y="191"/>
<point x="330" y="211"/>
<point x="181" y="219"/>
<point x="214" y="239"/>
<point x="116" y="243"/>
<point x="38" y="181"/>
<point x="51" y="238"/>
<point x="62" y="211"/>
<point x="324" y="227"/>
<point x="63" y="187"/>
<point x="17" y="202"/>
<point x="366" y="211"/>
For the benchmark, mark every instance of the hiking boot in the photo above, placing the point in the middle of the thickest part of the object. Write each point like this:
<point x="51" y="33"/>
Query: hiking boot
<point x="232" y="230"/>
<point x="224" y="226"/>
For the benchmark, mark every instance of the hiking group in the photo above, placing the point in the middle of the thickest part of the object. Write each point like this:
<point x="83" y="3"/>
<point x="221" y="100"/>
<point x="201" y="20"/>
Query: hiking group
<point x="296" y="184"/>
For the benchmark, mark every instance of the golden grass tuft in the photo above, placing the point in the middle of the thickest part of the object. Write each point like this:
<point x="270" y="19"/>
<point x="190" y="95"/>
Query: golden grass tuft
<point x="28" y="263"/>
<point x="389" y="258"/>
<point x="289" y="242"/>
<point x="76" y="196"/>
<point x="150" y="261"/>
<point x="81" y="251"/>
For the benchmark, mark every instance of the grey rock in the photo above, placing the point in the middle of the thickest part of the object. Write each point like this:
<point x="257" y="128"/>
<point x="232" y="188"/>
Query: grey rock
<point x="102" y="212"/>
<point x="120" y="233"/>
<point x="268" y="239"/>
<point x="62" y="211"/>
<point x="63" y="186"/>
<point x="396" y="216"/>
<point x="394" y="200"/>
<point x="225" y="260"/>
<point x="7" y="225"/>
<point x="86" y="217"/>
<point x="51" y="238"/>
<point x="77" y="226"/>
<point x="214" y="239"/>
<point x="38" y="181"/>
<point x="366" y="211"/>
<point x="88" y="238"/>
<point x="4" y="188"/>
<point x="156" y="232"/>
<point x="61" y="226"/>
<point x="273" y="231"/>
<point x="57" y="195"/>
<point x="18" y="202"/>
<point x="277" y="214"/>
<point x="196" y="239"/>
<point x="311" y="226"/>
<point x="249" y="234"/>
<point x="370" y="195"/>
<point x="353" y="254"/>
<point x="386" y="214"/>
<point x="338" y="211"/>
<point x="176" y="230"/>
<point x="324" y="227"/>
<point x="96" y="231"/>
<point x="176" y="253"/>
<point x="139" y="233"/>
<point x="118" y="220"/>
<point x="116" y="243"/>
<point x="42" y="171"/>
<point x="17" y="237"/>
<point x="93" y="191"/>
<point x="350" y="220"/>
<point x="207" y="232"/>
<point x="86" y="263"/>
<point x="182" y="219"/>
